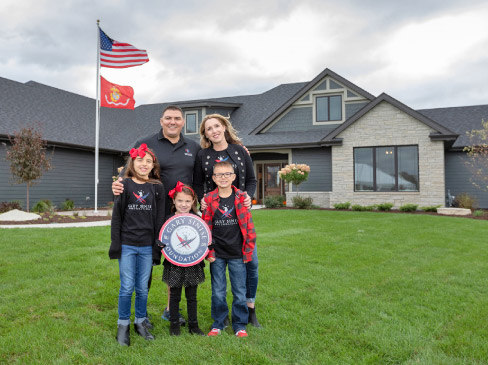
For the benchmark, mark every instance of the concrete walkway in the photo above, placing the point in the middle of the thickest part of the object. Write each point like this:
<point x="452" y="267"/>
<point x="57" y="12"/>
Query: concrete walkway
<point x="58" y="225"/>
<point x="78" y="224"/>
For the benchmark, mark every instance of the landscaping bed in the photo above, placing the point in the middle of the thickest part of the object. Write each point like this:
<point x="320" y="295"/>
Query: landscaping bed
<point x="47" y="218"/>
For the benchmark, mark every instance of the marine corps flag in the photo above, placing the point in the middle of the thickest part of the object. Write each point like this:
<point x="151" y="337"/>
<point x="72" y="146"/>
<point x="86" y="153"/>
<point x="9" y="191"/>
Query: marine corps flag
<point x="116" y="96"/>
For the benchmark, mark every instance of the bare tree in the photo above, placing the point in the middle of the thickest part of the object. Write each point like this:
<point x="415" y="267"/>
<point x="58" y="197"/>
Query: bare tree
<point x="478" y="156"/>
<point x="27" y="157"/>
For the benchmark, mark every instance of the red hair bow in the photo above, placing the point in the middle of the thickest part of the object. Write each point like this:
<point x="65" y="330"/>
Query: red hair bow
<point x="141" y="151"/>
<point x="178" y="189"/>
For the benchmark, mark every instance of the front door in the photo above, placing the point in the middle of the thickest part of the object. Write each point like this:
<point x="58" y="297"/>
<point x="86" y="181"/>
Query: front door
<point x="272" y="181"/>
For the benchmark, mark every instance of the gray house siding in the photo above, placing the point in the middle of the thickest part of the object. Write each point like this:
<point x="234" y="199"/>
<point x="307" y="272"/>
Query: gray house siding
<point x="72" y="176"/>
<point x="297" y="120"/>
<point x="269" y="156"/>
<point x="320" y="162"/>
<point x="352" y="108"/>
<point x="458" y="178"/>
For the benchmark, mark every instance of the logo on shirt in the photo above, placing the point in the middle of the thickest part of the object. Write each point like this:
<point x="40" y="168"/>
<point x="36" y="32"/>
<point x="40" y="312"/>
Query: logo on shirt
<point x="141" y="197"/>
<point x="222" y="159"/>
<point x="140" y="203"/>
<point x="226" y="213"/>
<point x="187" y="152"/>
<point x="186" y="237"/>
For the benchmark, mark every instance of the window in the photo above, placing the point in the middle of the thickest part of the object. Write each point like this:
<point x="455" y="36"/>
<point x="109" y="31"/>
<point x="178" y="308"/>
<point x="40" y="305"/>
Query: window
<point x="191" y="123"/>
<point x="391" y="168"/>
<point x="328" y="108"/>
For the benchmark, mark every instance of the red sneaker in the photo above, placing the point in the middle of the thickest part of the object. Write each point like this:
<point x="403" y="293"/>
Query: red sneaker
<point x="241" y="333"/>
<point x="214" y="332"/>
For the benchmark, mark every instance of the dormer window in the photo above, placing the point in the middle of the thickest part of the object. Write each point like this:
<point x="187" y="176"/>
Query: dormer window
<point x="328" y="108"/>
<point x="191" y="122"/>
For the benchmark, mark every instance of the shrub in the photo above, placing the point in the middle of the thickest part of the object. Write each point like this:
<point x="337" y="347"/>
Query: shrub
<point x="111" y="204"/>
<point x="478" y="213"/>
<point x="430" y="208"/>
<point x="6" y="206"/>
<point x="345" y="205"/>
<point x="301" y="202"/>
<point x="43" y="206"/>
<point x="274" y="201"/>
<point x="384" y="207"/>
<point x="464" y="200"/>
<point x="68" y="204"/>
<point x="409" y="208"/>
<point x="363" y="208"/>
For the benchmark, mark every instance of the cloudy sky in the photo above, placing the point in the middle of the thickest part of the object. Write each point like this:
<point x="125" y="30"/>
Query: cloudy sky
<point x="426" y="53"/>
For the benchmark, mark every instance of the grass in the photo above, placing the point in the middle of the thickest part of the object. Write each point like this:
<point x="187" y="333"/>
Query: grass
<point x="335" y="287"/>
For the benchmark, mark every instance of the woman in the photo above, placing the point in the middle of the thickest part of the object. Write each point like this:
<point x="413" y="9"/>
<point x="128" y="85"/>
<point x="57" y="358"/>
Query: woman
<point x="219" y="142"/>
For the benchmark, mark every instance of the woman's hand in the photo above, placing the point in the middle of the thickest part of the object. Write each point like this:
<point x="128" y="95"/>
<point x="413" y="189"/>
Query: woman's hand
<point x="210" y="259"/>
<point x="203" y="205"/>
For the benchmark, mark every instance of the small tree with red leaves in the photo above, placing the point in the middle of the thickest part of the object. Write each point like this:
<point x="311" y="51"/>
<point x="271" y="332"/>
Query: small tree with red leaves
<point x="27" y="157"/>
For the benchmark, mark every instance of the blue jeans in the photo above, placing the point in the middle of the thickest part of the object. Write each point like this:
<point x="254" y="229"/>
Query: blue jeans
<point x="134" y="268"/>
<point x="237" y="276"/>
<point x="252" y="277"/>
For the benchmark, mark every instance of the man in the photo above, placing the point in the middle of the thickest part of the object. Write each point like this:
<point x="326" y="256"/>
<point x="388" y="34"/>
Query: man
<point x="175" y="153"/>
<point x="176" y="156"/>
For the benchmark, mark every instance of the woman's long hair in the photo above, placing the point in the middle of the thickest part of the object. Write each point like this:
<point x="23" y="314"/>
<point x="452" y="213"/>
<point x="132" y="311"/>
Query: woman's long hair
<point x="230" y="133"/>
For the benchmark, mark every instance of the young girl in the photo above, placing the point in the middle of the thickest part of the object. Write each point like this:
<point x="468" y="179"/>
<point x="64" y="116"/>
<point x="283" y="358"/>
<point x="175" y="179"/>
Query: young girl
<point x="184" y="201"/>
<point x="137" y="218"/>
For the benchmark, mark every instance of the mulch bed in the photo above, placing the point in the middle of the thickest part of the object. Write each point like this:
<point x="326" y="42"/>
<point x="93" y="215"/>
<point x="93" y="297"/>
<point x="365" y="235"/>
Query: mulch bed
<point x="47" y="218"/>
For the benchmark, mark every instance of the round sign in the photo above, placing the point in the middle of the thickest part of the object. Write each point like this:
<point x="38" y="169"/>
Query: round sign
<point x="187" y="238"/>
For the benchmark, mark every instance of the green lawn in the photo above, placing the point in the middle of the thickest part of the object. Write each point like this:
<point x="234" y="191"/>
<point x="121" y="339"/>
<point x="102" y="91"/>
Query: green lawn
<point x="335" y="287"/>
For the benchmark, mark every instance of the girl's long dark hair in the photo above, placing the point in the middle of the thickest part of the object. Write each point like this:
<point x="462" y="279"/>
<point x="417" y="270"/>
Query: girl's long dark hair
<point x="154" y="175"/>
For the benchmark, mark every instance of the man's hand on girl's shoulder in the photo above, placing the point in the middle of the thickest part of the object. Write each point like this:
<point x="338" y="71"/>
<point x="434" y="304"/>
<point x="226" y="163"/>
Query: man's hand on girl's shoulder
<point x="117" y="187"/>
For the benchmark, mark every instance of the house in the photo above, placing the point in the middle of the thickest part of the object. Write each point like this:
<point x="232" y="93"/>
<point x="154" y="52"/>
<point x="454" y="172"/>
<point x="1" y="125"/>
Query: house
<point x="361" y="148"/>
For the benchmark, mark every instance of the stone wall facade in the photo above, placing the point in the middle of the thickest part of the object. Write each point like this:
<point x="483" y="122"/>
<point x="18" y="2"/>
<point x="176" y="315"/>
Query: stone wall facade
<point x="320" y="198"/>
<point x="385" y="125"/>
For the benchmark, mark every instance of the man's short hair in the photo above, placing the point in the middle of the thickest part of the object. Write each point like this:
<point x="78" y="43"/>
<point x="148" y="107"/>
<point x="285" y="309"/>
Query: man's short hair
<point x="223" y="164"/>
<point x="173" y="107"/>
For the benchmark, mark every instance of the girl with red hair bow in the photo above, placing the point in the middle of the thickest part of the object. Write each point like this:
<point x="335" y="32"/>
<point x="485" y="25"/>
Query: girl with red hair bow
<point x="137" y="218"/>
<point x="177" y="277"/>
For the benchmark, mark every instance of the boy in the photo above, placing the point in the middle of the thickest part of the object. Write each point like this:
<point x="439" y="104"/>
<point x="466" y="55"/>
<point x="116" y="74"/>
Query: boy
<point x="233" y="243"/>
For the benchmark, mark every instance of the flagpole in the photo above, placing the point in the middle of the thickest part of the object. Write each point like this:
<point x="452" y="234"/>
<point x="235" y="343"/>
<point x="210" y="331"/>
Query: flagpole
<point x="97" y="116"/>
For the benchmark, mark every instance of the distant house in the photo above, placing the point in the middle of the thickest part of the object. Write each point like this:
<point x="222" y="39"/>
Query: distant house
<point x="361" y="148"/>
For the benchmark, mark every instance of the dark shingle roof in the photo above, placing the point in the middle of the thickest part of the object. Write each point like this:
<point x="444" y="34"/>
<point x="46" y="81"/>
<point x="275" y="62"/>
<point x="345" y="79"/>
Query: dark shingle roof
<point x="459" y="119"/>
<point x="69" y="119"/>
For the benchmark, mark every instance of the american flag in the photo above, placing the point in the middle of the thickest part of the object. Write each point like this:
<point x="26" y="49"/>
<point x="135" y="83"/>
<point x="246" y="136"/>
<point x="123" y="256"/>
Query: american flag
<point x="115" y="54"/>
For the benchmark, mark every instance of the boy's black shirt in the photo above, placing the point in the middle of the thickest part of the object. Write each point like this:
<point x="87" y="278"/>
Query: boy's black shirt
<point x="226" y="233"/>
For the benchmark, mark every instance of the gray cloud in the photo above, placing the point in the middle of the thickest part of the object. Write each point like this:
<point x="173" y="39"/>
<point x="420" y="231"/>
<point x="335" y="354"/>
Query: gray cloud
<point x="216" y="48"/>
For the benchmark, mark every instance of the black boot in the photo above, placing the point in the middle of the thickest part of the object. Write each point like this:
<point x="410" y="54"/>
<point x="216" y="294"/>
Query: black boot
<point x="123" y="334"/>
<point x="252" y="317"/>
<point x="194" y="329"/>
<point x="142" y="331"/>
<point x="174" y="328"/>
<point x="191" y="300"/>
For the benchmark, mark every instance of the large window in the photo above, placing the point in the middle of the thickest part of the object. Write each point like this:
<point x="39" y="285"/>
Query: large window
<point x="191" y="123"/>
<point x="391" y="168"/>
<point x="328" y="108"/>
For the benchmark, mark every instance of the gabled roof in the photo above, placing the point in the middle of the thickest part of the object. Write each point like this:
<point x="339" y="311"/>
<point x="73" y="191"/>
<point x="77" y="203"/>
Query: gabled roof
<point x="304" y="90"/>
<point x="69" y="119"/>
<point x="460" y="120"/>
<point x="441" y="132"/>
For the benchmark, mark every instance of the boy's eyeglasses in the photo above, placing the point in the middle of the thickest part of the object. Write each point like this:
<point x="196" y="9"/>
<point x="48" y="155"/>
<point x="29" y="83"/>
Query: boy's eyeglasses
<point x="223" y="174"/>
